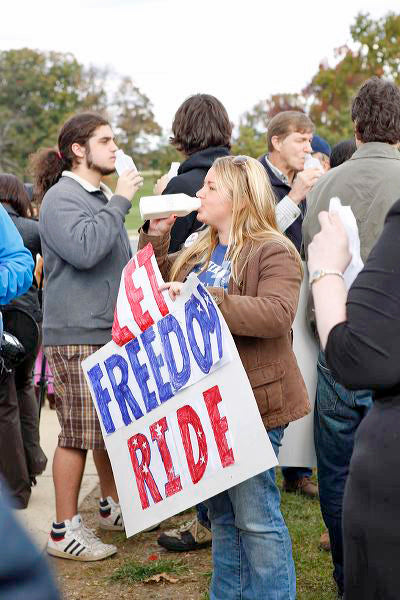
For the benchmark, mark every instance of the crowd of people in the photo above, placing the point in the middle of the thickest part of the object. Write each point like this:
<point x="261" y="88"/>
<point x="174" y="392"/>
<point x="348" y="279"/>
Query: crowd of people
<point x="258" y="218"/>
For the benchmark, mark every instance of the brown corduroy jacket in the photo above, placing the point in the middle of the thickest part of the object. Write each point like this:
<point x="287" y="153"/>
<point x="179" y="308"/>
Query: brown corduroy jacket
<point x="259" y="312"/>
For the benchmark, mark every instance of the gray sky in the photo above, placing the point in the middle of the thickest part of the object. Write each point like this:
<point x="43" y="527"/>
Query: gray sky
<point x="240" y="51"/>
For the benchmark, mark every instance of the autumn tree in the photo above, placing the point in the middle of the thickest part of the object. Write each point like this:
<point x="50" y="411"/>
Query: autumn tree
<point x="375" y="51"/>
<point x="251" y="138"/>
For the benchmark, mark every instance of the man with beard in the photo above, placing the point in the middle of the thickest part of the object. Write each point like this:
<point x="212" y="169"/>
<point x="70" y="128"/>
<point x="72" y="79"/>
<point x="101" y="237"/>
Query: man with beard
<point x="85" y="247"/>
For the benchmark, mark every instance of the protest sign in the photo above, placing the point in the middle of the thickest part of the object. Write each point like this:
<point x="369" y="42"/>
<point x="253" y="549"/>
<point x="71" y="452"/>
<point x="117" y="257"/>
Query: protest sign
<point x="177" y="412"/>
<point x="298" y="442"/>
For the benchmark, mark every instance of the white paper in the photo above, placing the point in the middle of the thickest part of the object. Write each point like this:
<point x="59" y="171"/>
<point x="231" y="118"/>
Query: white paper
<point x="350" y="224"/>
<point x="123" y="162"/>
<point x="173" y="170"/>
<point x="312" y="163"/>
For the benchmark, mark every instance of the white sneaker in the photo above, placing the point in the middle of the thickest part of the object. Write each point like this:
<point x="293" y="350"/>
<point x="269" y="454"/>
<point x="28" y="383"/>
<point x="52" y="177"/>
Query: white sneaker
<point x="77" y="542"/>
<point x="110" y="515"/>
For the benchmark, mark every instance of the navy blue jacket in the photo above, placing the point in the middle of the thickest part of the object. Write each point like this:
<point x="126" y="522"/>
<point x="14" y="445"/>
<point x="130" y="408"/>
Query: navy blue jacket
<point x="281" y="190"/>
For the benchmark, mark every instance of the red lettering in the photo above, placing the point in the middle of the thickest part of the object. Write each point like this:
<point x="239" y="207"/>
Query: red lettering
<point x="212" y="397"/>
<point x="187" y="416"/>
<point x="144" y="259"/>
<point x="121" y="336"/>
<point x="135" y="296"/>
<point x="158" y="430"/>
<point x="142" y="472"/>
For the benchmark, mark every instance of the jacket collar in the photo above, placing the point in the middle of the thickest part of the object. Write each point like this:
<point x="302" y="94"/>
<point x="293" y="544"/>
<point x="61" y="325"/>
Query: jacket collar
<point x="87" y="185"/>
<point x="376" y="150"/>
<point x="10" y="210"/>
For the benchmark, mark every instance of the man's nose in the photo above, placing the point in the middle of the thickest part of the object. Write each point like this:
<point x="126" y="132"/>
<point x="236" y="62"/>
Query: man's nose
<point x="308" y="147"/>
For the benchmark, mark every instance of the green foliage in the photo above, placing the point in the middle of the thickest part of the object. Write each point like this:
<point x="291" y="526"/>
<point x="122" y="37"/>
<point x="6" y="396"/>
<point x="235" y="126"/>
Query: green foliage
<point x="40" y="90"/>
<point x="37" y="91"/>
<point x="376" y="52"/>
<point x="133" y="571"/>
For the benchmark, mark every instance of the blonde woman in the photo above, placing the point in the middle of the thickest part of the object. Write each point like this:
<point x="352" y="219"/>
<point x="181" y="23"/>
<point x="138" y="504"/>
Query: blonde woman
<point x="254" y="273"/>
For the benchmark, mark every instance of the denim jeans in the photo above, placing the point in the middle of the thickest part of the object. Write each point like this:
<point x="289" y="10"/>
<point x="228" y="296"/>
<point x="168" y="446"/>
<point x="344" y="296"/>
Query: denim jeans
<point x="296" y="473"/>
<point x="251" y="548"/>
<point x="337" y="415"/>
<point x="202" y="515"/>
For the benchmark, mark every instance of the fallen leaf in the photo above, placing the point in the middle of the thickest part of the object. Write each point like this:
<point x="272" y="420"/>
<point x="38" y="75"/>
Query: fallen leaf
<point x="153" y="557"/>
<point x="161" y="577"/>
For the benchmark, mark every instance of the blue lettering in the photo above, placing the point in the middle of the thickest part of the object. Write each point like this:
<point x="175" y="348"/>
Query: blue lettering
<point x="142" y="374"/>
<point x="168" y="325"/>
<point x="102" y="396"/>
<point x="121" y="390"/>
<point x="156" y="362"/>
<point x="213" y="322"/>
<point x="195" y="311"/>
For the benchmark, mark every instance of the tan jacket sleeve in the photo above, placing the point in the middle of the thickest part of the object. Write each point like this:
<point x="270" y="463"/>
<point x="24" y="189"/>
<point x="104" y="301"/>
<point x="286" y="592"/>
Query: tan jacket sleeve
<point x="271" y="313"/>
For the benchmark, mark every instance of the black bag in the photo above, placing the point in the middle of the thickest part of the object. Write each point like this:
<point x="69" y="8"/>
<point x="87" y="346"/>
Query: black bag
<point x="20" y="336"/>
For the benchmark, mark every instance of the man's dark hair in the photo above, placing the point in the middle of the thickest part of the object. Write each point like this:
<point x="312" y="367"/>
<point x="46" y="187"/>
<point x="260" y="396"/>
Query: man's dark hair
<point x="285" y="123"/>
<point x="342" y="151"/>
<point x="375" y="112"/>
<point x="199" y="123"/>
<point x="13" y="192"/>
<point x="48" y="164"/>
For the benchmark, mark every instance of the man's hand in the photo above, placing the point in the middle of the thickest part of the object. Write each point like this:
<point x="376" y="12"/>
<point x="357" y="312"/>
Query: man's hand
<point x="128" y="184"/>
<point x="160" y="185"/>
<point x="303" y="183"/>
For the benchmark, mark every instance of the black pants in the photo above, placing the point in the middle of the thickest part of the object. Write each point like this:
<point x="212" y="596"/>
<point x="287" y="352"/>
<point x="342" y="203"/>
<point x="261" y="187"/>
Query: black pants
<point x="371" y="509"/>
<point x="21" y="456"/>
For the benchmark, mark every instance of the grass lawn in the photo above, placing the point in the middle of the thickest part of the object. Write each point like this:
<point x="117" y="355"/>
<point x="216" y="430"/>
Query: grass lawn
<point x="133" y="220"/>
<point x="134" y="572"/>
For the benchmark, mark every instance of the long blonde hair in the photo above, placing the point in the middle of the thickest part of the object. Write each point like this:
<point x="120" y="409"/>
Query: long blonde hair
<point x="246" y="183"/>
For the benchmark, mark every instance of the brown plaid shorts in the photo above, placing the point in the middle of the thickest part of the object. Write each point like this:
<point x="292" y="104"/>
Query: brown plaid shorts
<point x="80" y="427"/>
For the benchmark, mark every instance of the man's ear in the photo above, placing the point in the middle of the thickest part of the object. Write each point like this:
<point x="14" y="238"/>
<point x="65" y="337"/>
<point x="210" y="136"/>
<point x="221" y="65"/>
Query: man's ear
<point x="78" y="150"/>
<point x="276" y="143"/>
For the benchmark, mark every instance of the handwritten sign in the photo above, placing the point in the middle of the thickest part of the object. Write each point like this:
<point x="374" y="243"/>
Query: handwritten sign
<point x="176" y="409"/>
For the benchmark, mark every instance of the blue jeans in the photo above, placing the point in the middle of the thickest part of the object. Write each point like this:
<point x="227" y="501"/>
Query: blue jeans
<point x="251" y="548"/>
<point x="296" y="473"/>
<point x="337" y="415"/>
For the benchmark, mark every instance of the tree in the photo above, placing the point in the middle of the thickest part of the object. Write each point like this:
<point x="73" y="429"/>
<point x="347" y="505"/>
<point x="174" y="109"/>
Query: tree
<point x="376" y="51"/>
<point x="134" y="119"/>
<point x="39" y="91"/>
<point x="251" y="138"/>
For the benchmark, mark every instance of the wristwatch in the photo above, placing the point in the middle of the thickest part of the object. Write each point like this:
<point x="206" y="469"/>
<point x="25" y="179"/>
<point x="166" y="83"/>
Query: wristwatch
<point x="319" y="273"/>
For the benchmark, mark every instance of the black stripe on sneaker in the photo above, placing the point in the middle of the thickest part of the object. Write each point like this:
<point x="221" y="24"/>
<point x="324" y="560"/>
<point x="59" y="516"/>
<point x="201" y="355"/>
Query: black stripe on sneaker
<point x="116" y="522"/>
<point x="75" y="547"/>
<point x="81" y="550"/>
<point x="72" y="542"/>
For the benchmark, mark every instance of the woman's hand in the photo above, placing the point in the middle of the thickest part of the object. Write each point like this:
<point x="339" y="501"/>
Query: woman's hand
<point x="174" y="288"/>
<point x="160" y="185"/>
<point x="161" y="226"/>
<point x="329" y="249"/>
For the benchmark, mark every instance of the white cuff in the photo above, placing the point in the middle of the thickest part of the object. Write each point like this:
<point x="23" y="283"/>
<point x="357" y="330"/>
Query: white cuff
<point x="286" y="213"/>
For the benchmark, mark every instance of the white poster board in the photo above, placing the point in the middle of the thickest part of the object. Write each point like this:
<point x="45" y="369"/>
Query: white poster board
<point x="177" y="412"/>
<point x="298" y="442"/>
